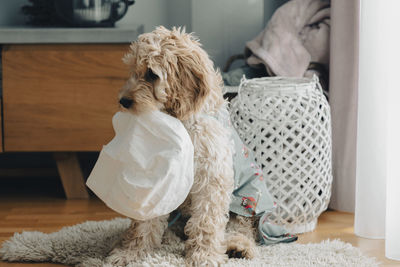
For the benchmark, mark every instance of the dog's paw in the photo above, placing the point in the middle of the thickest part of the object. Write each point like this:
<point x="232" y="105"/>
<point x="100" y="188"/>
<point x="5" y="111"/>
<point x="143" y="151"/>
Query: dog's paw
<point x="239" y="253"/>
<point x="205" y="259"/>
<point x="240" y="246"/>
<point x="122" y="257"/>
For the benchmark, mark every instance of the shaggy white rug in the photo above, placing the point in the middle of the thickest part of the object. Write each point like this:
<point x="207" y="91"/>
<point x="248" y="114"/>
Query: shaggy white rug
<point x="88" y="243"/>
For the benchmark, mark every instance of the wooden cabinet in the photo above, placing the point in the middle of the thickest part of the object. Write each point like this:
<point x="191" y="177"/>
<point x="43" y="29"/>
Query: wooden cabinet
<point x="60" y="97"/>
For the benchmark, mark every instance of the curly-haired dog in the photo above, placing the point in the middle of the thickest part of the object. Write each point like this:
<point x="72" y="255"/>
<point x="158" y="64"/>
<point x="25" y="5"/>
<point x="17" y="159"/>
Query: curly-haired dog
<point x="172" y="73"/>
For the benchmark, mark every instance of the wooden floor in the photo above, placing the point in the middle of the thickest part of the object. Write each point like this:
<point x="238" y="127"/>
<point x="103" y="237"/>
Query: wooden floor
<point x="50" y="214"/>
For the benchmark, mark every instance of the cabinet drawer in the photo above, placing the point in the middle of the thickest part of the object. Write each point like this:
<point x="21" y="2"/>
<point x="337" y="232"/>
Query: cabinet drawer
<point x="61" y="97"/>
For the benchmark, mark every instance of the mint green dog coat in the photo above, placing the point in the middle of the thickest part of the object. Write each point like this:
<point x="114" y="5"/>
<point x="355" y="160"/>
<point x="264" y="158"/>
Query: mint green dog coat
<point x="250" y="196"/>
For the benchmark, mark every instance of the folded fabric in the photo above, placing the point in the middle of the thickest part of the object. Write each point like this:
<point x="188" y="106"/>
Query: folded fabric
<point x="296" y="35"/>
<point x="146" y="171"/>
<point x="272" y="234"/>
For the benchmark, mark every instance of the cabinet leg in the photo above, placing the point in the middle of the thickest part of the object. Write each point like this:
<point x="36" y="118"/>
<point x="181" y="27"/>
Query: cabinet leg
<point x="71" y="175"/>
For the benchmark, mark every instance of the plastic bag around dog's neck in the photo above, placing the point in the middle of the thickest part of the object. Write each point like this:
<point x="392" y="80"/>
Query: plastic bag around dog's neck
<point x="147" y="169"/>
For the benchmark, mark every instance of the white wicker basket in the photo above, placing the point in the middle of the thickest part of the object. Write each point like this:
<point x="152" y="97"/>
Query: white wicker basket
<point x="286" y="122"/>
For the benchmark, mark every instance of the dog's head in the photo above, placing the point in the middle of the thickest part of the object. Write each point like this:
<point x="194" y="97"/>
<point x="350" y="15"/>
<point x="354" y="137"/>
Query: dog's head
<point x="169" y="72"/>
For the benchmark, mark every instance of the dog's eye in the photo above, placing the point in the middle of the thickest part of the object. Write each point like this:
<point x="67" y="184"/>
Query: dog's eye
<point x="150" y="76"/>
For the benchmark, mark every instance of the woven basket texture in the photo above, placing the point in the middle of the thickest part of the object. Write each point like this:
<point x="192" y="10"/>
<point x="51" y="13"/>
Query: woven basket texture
<point x="287" y="123"/>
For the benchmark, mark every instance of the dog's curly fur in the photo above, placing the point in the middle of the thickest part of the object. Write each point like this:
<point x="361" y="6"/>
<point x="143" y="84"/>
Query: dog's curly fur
<point x="172" y="73"/>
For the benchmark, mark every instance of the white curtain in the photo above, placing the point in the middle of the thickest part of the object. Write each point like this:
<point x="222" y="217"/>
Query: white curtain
<point x="377" y="209"/>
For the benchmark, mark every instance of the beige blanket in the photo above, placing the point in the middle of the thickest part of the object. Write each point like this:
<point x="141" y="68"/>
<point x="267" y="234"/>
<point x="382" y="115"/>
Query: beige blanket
<point x="297" y="34"/>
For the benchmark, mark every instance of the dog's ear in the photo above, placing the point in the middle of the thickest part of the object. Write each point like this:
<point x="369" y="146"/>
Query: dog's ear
<point x="153" y="74"/>
<point x="158" y="77"/>
<point x="192" y="79"/>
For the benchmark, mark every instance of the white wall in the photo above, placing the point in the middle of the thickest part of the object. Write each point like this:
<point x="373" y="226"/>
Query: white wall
<point x="150" y="13"/>
<point x="179" y="13"/>
<point x="224" y="26"/>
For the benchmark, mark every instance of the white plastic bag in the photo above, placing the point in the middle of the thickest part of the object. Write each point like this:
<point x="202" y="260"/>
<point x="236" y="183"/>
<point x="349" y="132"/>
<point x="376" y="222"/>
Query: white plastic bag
<point x="147" y="169"/>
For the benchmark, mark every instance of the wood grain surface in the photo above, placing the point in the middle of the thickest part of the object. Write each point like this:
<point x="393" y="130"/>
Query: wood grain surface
<point x="61" y="97"/>
<point x="71" y="175"/>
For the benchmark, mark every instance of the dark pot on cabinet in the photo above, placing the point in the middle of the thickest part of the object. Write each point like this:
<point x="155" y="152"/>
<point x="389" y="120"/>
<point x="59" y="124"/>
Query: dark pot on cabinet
<point x="92" y="13"/>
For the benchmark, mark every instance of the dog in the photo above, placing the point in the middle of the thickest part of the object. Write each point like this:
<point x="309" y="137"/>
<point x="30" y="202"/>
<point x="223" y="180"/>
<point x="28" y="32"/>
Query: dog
<point x="170" y="72"/>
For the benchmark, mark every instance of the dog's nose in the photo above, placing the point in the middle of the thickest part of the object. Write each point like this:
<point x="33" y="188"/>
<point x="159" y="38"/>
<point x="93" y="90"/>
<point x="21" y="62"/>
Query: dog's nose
<point x="126" y="102"/>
